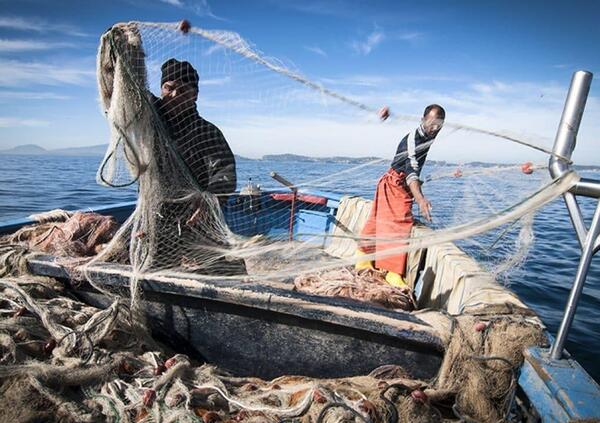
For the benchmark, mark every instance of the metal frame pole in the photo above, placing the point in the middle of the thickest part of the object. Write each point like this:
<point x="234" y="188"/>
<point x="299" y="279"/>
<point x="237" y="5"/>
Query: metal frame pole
<point x="582" y="271"/>
<point x="564" y="144"/>
<point x="566" y="135"/>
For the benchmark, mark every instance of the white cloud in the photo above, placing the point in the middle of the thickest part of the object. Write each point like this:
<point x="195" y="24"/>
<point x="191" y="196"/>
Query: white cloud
<point x="335" y="8"/>
<point x="199" y="7"/>
<point x="409" y="36"/>
<point x="365" y="47"/>
<point x="38" y="25"/>
<point x="213" y="48"/>
<point x="29" y="95"/>
<point x="331" y="128"/>
<point x="215" y="81"/>
<point x="15" y="73"/>
<point x="9" y="122"/>
<point x="373" y="80"/>
<point x="30" y="45"/>
<point x="257" y="135"/>
<point x="357" y="80"/>
<point x="316" y="50"/>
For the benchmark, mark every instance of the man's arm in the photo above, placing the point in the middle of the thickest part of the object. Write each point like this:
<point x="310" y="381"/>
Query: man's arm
<point x="424" y="204"/>
<point x="222" y="175"/>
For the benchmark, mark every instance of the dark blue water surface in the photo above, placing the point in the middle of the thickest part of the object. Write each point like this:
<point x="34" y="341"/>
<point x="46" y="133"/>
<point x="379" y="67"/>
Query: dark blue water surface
<point x="30" y="184"/>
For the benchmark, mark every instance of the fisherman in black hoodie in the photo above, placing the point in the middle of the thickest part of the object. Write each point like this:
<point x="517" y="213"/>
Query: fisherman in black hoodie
<point x="199" y="143"/>
<point x="191" y="228"/>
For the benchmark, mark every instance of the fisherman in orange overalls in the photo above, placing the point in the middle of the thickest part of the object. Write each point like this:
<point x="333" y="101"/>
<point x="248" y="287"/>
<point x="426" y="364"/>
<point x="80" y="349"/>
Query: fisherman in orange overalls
<point x="391" y="213"/>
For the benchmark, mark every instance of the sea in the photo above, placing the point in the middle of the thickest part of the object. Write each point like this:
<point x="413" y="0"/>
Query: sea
<point x="36" y="183"/>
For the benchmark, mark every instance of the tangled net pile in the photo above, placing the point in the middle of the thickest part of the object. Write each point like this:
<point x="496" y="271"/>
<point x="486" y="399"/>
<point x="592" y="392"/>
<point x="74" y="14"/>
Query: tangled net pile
<point x="364" y="285"/>
<point x="65" y="234"/>
<point x="65" y="361"/>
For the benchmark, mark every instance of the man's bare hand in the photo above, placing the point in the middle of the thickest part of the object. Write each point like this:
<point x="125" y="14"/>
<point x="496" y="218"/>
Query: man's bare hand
<point x="425" y="208"/>
<point x="384" y="113"/>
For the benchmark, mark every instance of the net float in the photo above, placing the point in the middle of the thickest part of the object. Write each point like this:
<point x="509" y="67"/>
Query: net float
<point x="149" y="397"/>
<point x="319" y="397"/>
<point x="384" y="113"/>
<point x="185" y="26"/>
<point x="126" y="368"/>
<point x="49" y="346"/>
<point x="419" y="396"/>
<point x="368" y="407"/>
<point x="479" y="326"/>
<point x="527" y="168"/>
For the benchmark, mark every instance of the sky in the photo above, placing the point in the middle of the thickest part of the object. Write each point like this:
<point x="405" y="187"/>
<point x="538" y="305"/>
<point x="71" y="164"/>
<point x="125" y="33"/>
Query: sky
<point x="500" y="66"/>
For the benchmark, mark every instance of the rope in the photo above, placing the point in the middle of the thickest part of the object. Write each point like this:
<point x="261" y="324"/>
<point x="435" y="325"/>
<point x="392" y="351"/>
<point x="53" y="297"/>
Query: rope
<point x="286" y="412"/>
<point x="346" y="407"/>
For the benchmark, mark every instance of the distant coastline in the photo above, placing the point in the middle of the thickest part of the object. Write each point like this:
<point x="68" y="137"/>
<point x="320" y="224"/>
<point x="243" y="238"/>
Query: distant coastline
<point x="100" y="149"/>
<point x="36" y="150"/>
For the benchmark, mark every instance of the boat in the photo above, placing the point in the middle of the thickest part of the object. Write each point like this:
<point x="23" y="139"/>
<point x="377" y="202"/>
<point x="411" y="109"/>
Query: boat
<point x="254" y="329"/>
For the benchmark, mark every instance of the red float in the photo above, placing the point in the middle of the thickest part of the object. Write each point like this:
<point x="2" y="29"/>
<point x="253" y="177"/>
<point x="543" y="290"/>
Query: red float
<point x="479" y="327"/>
<point x="419" y="396"/>
<point x="527" y="168"/>
<point x="149" y="397"/>
<point x="170" y="362"/>
<point x="185" y="26"/>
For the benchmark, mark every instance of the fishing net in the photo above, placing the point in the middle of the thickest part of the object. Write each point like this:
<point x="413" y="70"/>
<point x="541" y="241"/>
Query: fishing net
<point x="67" y="361"/>
<point x="186" y="217"/>
<point x="65" y="234"/>
<point x="62" y="360"/>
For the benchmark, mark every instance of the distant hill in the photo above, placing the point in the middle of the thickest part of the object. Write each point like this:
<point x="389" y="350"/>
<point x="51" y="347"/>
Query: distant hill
<point x="29" y="149"/>
<point x="334" y="159"/>
<point x="36" y="150"/>
<point x="92" y="150"/>
<point x="100" y="149"/>
<point x="341" y="159"/>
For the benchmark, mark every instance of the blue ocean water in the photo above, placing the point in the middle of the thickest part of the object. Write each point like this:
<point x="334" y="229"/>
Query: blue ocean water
<point x="30" y="184"/>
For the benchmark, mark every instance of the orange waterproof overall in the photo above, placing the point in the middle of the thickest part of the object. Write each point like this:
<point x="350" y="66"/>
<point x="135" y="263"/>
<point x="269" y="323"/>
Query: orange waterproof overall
<point x="390" y="217"/>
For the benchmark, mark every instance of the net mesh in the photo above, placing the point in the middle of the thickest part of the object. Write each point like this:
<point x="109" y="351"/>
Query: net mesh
<point x="169" y="94"/>
<point x="148" y="74"/>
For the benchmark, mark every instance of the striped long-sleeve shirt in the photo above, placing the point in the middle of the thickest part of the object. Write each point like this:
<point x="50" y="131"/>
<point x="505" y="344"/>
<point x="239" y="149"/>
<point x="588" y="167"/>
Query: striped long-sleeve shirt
<point x="411" y="154"/>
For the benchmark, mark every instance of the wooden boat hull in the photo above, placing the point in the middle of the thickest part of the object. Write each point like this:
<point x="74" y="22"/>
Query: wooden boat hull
<point x="263" y="331"/>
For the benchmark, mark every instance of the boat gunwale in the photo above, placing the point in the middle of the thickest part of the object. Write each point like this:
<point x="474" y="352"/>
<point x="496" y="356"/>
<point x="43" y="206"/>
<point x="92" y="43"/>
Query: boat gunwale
<point x="403" y="326"/>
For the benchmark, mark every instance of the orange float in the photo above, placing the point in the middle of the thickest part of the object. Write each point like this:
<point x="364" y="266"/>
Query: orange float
<point x="527" y="168"/>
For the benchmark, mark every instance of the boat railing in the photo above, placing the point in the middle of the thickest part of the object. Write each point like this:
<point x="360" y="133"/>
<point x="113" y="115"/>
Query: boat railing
<point x="558" y="165"/>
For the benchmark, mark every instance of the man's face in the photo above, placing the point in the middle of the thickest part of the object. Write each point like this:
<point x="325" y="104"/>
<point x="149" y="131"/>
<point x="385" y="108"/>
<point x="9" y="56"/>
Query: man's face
<point x="178" y="94"/>
<point x="432" y="123"/>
